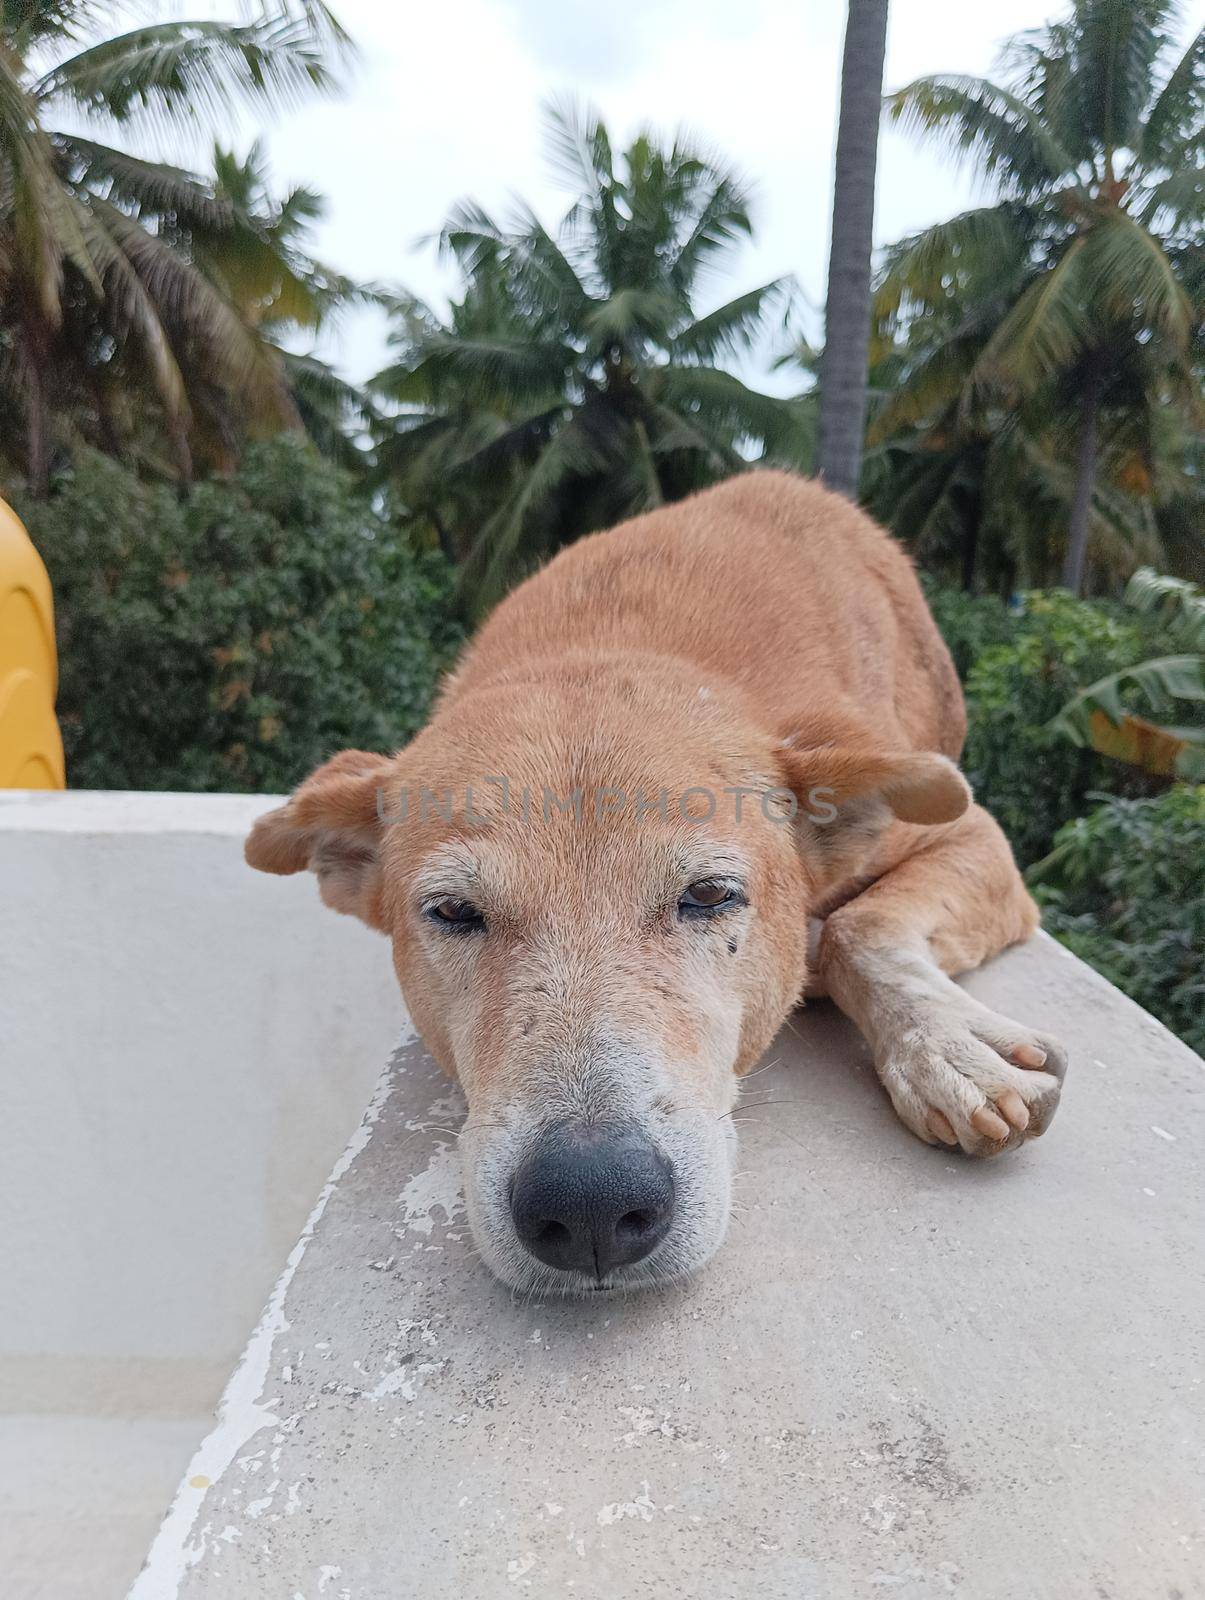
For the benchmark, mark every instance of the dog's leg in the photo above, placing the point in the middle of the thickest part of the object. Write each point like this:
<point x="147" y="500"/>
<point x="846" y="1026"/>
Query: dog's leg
<point x="956" y="1072"/>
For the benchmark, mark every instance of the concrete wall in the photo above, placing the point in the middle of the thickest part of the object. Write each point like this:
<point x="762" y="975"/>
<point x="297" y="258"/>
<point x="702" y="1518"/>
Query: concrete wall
<point x="185" y="1046"/>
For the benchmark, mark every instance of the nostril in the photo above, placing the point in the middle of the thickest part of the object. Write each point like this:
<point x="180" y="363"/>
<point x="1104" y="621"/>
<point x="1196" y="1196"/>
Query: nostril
<point x="634" y="1226"/>
<point x="552" y="1234"/>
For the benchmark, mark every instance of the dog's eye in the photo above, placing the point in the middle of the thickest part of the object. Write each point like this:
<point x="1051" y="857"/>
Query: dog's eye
<point x="460" y="915"/>
<point x="709" y="895"/>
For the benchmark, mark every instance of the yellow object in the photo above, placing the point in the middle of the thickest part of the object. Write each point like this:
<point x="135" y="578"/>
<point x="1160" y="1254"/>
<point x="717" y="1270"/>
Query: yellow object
<point x="31" y="748"/>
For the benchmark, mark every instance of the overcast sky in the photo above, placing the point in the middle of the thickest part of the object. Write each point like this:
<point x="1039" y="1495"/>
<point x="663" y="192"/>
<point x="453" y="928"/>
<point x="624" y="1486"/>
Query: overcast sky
<point x="446" y="103"/>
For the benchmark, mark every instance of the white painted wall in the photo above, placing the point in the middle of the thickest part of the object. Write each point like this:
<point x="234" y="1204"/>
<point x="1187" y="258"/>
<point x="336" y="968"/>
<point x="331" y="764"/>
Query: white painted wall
<point x="185" y="1047"/>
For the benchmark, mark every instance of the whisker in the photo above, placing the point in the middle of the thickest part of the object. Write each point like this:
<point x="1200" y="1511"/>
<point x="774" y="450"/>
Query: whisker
<point x="777" y="1062"/>
<point x="753" y="1105"/>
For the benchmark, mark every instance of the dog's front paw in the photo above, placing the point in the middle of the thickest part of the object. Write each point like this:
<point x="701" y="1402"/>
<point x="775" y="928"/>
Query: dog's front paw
<point x="963" y="1075"/>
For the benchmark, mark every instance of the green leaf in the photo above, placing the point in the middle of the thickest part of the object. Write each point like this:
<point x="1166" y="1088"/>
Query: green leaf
<point x="630" y="315"/>
<point x="1046" y="330"/>
<point x="150" y="186"/>
<point x="1127" y="277"/>
<point x="510" y="371"/>
<point x="1116" y="44"/>
<point x="730" y="328"/>
<point x="172" y="75"/>
<point x="579" y="148"/>
<point x="958" y="257"/>
<point x="1174" y="131"/>
<point x="1178" y="601"/>
<point x="130" y="307"/>
<point x="986" y="124"/>
<point x="723" y="405"/>
<point x="571" y="453"/>
<point x="43" y="222"/>
<point x="196" y="310"/>
<point x="1166" y="678"/>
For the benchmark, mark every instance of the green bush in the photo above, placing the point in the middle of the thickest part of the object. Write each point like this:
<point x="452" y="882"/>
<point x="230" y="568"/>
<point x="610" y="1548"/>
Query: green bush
<point x="234" y="639"/>
<point x="969" y="623"/>
<point x="1124" y="888"/>
<point x="1031" y="781"/>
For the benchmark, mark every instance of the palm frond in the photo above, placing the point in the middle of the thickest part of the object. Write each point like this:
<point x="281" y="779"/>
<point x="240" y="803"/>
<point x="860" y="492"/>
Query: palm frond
<point x="958" y="258"/>
<point x="236" y="358"/>
<point x="579" y="148"/>
<point x="721" y="221"/>
<point x="30" y="23"/>
<point x="670" y="433"/>
<point x="43" y="224"/>
<point x="1040" y="66"/>
<point x="504" y="370"/>
<point x="934" y="384"/>
<point x="174" y="75"/>
<point x="989" y="126"/>
<point x="1046" y="330"/>
<point x="1174" y="131"/>
<point x="723" y="406"/>
<point x="153" y="188"/>
<point x="573" y="452"/>
<point x="1116" y="45"/>
<point x="631" y="314"/>
<point x="481" y="456"/>
<point x="732" y="327"/>
<point x="472" y="238"/>
<point x="1175" y="203"/>
<point x="1127" y="276"/>
<point x="333" y="411"/>
<point x="544" y="278"/>
<point x="130" y="307"/>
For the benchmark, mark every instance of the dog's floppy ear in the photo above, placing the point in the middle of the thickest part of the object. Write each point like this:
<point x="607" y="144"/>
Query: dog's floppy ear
<point x="330" y="826"/>
<point x="915" y="785"/>
<point x="846" y="796"/>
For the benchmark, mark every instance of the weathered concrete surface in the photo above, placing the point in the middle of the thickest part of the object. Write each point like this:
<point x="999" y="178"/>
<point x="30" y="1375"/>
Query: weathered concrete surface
<point x="905" y="1375"/>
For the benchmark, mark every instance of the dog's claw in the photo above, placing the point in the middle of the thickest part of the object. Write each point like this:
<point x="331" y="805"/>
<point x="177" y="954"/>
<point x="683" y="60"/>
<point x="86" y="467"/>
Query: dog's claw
<point x="963" y="1075"/>
<point x="1028" y="1055"/>
<point x="1013" y="1109"/>
<point x="940" y="1127"/>
<point x="989" y="1124"/>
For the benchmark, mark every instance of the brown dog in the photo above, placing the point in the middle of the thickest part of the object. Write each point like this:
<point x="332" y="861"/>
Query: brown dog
<point x="663" y="760"/>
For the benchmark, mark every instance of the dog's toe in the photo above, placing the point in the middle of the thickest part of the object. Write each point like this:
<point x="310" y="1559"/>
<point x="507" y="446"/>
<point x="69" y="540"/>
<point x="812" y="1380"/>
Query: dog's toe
<point x="973" y="1079"/>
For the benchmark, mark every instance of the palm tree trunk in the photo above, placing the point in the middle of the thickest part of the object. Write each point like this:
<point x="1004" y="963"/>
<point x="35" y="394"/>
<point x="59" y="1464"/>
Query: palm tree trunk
<point x="970" y="545"/>
<point x="177" y="429"/>
<point x="446" y="545"/>
<point x="34" y="357"/>
<point x="843" y="365"/>
<point x="1085" y="482"/>
<point x="106" y="425"/>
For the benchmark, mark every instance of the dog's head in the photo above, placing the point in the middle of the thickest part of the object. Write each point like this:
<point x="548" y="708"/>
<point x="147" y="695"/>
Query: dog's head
<point x="598" y="903"/>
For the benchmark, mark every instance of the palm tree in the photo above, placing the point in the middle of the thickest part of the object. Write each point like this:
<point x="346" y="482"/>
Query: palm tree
<point x="1080" y="288"/>
<point x="91" y="283"/>
<point x="575" y="382"/>
<point x="843" y="365"/>
<point x="977" y="481"/>
<point x="254" y="247"/>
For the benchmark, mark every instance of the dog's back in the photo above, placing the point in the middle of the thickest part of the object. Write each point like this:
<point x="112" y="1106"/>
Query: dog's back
<point x="768" y="582"/>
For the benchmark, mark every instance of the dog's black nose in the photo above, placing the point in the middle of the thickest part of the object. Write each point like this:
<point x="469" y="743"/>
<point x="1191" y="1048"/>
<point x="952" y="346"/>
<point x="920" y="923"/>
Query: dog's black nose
<point x="590" y="1199"/>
